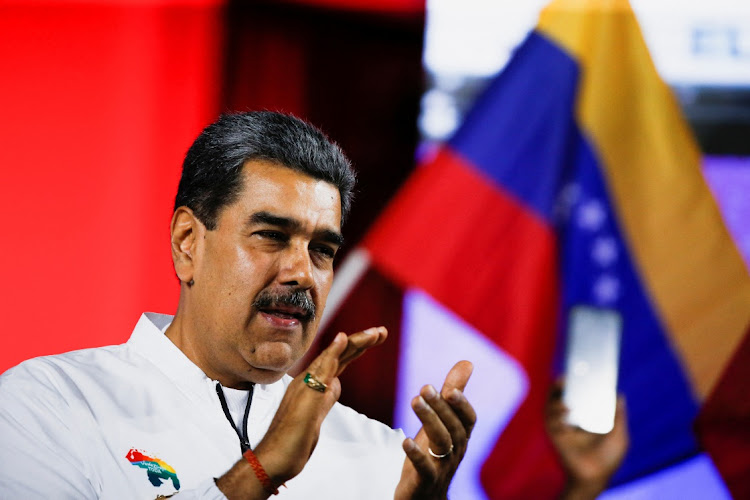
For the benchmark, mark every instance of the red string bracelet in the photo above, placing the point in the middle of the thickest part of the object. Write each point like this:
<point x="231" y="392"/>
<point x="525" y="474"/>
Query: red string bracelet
<point x="260" y="472"/>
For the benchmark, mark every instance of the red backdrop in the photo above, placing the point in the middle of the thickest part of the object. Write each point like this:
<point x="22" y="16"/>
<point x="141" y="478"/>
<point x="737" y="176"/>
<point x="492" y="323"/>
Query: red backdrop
<point x="100" y="100"/>
<point x="99" y="103"/>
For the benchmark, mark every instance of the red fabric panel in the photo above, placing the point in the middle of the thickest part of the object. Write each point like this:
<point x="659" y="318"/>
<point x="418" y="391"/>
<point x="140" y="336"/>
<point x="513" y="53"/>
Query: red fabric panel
<point x="267" y="64"/>
<point x="455" y="234"/>
<point x="369" y="383"/>
<point x="723" y="425"/>
<point x="99" y="106"/>
<point x="397" y="7"/>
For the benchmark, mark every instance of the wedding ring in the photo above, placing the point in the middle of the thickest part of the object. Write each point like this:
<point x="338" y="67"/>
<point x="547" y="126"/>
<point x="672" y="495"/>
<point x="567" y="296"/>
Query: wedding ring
<point x="429" y="450"/>
<point x="317" y="385"/>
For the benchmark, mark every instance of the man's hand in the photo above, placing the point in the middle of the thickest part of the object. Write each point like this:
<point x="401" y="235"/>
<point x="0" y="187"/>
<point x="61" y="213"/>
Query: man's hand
<point x="447" y="420"/>
<point x="294" y="430"/>
<point x="589" y="459"/>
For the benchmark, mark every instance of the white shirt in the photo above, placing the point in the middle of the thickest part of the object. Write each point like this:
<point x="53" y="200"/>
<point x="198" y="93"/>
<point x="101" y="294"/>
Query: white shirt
<point x="137" y="420"/>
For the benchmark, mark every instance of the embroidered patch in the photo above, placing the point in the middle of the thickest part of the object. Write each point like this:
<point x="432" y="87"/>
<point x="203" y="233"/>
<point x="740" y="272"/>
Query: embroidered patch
<point x="157" y="469"/>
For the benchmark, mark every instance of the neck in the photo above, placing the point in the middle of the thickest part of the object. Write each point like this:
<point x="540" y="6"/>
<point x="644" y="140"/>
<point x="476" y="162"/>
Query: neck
<point x="182" y="333"/>
<point x="228" y="368"/>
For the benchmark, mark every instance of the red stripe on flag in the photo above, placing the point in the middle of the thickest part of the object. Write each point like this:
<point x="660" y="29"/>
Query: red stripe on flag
<point x="723" y="425"/>
<point x="455" y="234"/>
<point x="523" y="464"/>
<point x="460" y="237"/>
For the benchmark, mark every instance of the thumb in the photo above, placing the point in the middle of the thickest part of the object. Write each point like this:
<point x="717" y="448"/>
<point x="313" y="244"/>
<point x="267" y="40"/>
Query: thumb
<point x="457" y="377"/>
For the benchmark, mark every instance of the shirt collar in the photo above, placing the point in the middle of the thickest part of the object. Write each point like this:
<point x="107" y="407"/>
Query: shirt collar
<point x="150" y="342"/>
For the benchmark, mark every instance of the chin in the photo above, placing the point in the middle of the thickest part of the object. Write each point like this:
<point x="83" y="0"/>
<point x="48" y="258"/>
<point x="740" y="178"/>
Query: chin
<point x="263" y="376"/>
<point x="270" y="363"/>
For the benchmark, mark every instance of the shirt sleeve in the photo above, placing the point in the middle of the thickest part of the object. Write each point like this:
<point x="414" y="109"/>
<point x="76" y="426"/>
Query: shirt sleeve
<point x="39" y="453"/>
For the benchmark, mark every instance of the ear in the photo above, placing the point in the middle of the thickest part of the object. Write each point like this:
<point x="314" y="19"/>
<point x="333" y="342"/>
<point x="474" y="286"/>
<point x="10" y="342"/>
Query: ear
<point x="185" y="231"/>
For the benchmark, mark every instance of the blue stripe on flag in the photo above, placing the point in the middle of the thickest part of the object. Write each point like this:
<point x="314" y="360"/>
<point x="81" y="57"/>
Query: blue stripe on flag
<point x="597" y="269"/>
<point x="519" y="131"/>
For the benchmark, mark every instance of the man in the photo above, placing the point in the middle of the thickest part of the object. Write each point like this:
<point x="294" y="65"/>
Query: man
<point x="200" y="405"/>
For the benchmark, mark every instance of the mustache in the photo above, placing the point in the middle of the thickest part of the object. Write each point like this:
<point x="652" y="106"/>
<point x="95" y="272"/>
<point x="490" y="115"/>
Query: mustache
<point x="292" y="298"/>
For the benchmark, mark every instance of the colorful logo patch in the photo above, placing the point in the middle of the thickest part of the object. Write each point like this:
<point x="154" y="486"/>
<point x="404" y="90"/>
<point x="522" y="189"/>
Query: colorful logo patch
<point x="156" y="469"/>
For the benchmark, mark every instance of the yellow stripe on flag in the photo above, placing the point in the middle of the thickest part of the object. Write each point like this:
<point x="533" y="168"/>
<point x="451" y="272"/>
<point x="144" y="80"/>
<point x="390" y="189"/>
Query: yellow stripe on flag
<point x="681" y="247"/>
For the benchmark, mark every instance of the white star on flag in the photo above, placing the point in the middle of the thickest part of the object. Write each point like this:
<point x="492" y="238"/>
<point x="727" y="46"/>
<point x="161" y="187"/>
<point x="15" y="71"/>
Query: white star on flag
<point x="604" y="251"/>
<point x="606" y="289"/>
<point x="591" y="215"/>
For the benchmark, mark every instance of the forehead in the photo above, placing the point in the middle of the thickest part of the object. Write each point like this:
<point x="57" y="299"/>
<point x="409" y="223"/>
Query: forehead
<point x="280" y="190"/>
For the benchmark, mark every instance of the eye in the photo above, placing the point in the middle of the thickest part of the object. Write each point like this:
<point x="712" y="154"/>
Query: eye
<point x="271" y="235"/>
<point x="324" y="251"/>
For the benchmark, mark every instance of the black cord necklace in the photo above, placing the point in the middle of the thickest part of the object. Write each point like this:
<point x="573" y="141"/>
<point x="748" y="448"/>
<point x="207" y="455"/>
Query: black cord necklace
<point x="244" y="440"/>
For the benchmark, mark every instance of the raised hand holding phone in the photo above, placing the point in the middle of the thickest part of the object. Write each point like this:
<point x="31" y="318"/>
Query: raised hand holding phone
<point x="591" y="366"/>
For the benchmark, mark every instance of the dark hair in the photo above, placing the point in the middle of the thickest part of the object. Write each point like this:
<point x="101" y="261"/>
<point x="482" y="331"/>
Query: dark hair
<point x="211" y="173"/>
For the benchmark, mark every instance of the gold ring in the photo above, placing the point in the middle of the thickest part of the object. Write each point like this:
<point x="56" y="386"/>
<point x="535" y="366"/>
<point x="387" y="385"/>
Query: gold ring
<point x="438" y="456"/>
<point x="314" y="383"/>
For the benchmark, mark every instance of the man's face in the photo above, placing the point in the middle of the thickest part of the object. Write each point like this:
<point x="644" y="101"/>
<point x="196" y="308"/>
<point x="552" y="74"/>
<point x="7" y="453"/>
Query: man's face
<point x="261" y="271"/>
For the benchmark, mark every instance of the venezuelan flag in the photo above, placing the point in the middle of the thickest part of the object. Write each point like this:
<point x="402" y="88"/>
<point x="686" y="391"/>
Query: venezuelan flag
<point x="574" y="180"/>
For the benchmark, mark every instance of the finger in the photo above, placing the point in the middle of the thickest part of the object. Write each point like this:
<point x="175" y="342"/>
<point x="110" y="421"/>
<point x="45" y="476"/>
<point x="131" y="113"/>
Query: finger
<point x="557" y="424"/>
<point x="359" y="342"/>
<point x="435" y="428"/>
<point x="447" y="414"/>
<point x="424" y="465"/>
<point x="621" y="411"/>
<point x="556" y="389"/>
<point x="325" y="366"/>
<point x="555" y="410"/>
<point x="458" y="377"/>
<point x="456" y="380"/>
<point x="621" y="418"/>
<point x="463" y="410"/>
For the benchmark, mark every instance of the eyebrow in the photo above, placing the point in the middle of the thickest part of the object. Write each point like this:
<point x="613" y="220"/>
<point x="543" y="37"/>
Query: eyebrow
<point x="291" y="224"/>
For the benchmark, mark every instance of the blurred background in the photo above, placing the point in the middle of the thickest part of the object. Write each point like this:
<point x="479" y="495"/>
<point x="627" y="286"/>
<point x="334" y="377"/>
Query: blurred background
<point x="100" y="100"/>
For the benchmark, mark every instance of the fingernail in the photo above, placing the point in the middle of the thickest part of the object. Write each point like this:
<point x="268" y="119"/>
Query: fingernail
<point x="421" y="403"/>
<point x="371" y="331"/>
<point x="454" y="396"/>
<point x="430" y="392"/>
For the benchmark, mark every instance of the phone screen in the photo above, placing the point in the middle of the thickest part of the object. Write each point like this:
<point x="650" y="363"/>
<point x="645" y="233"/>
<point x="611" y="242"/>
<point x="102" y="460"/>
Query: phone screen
<point x="591" y="365"/>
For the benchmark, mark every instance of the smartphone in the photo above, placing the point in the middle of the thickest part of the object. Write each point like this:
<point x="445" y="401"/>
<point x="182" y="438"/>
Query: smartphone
<point x="591" y="365"/>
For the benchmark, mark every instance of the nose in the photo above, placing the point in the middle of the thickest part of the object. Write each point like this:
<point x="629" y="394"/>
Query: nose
<point x="296" y="268"/>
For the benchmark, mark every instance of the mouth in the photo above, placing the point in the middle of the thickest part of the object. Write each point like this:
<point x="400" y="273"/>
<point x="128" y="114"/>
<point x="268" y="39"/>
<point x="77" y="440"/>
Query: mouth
<point x="287" y="313"/>
<point x="287" y="309"/>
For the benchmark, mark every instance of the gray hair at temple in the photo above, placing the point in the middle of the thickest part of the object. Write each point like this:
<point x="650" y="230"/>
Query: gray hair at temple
<point x="211" y="173"/>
